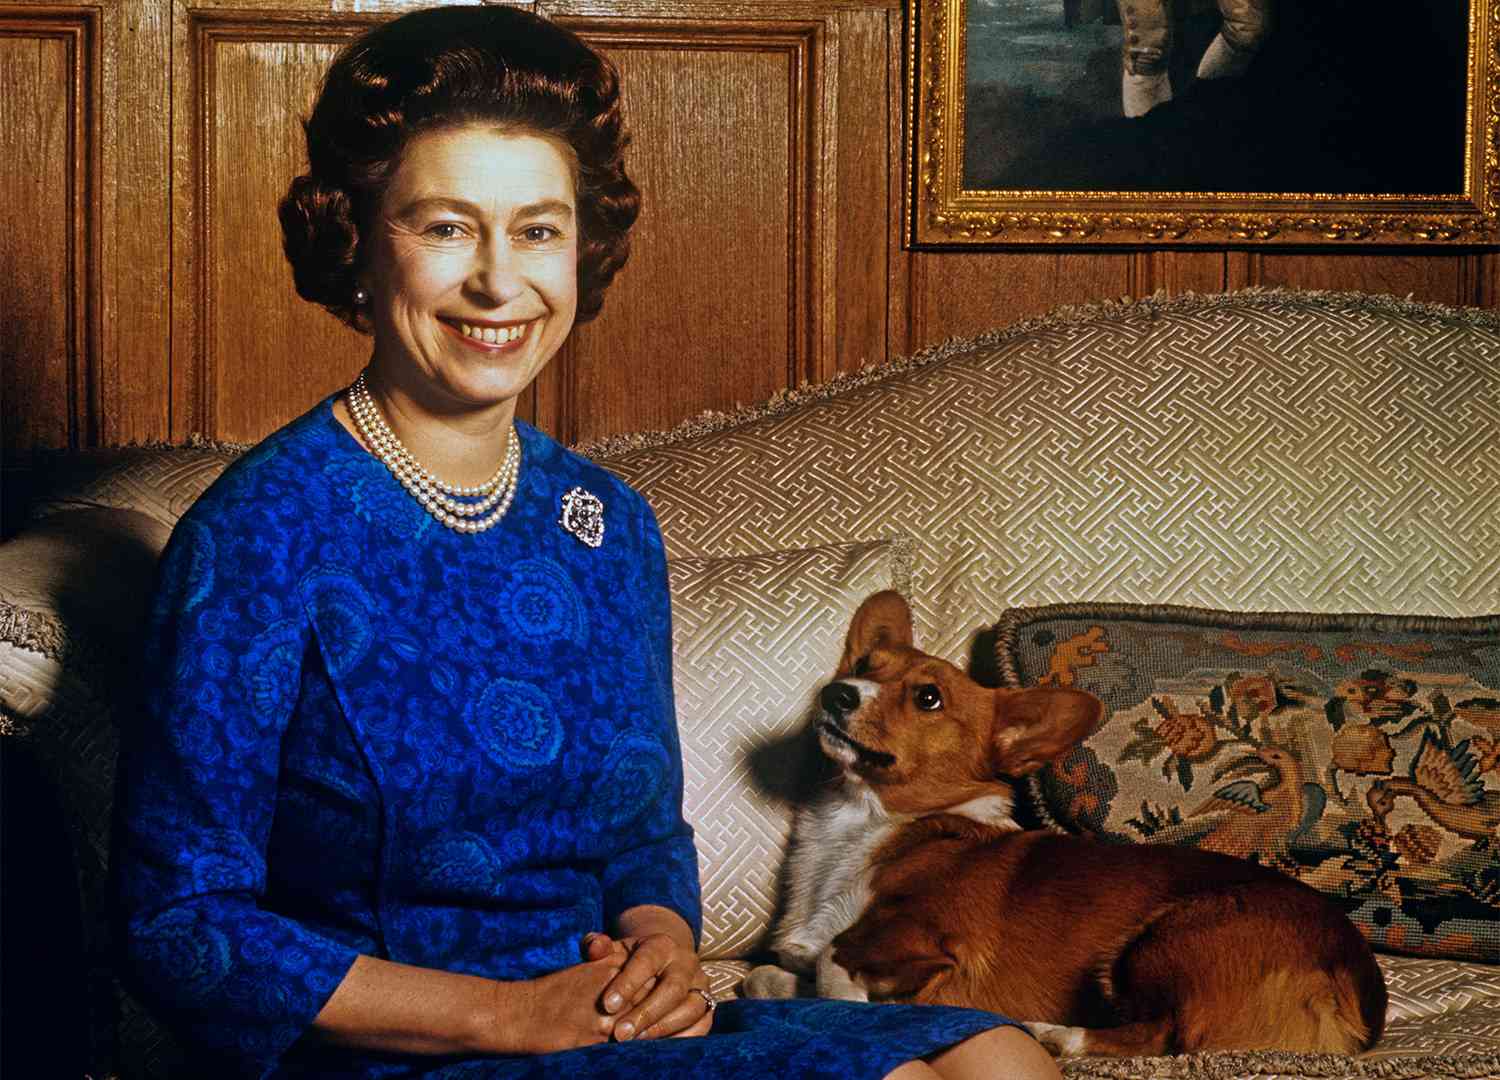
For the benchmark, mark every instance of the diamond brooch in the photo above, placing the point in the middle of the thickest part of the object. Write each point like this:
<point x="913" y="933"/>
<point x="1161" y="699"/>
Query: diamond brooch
<point x="583" y="516"/>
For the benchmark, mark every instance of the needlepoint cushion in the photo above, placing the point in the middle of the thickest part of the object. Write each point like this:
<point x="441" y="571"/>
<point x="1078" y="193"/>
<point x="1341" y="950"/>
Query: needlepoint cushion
<point x="753" y="638"/>
<point x="1357" y="753"/>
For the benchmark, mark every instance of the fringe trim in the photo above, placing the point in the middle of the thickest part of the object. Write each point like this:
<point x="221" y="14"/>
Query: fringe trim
<point x="12" y="724"/>
<point x="1159" y="304"/>
<point x="34" y="631"/>
<point x="904" y="557"/>
<point x="1282" y="1063"/>
<point x="43" y="455"/>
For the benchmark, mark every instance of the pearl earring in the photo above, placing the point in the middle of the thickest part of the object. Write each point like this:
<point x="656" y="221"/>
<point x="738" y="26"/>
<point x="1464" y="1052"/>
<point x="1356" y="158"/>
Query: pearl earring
<point x="361" y="298"/>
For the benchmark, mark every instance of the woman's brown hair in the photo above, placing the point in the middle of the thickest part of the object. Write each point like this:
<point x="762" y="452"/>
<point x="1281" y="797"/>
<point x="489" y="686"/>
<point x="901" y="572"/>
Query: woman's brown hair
<point x="439" y="68"/>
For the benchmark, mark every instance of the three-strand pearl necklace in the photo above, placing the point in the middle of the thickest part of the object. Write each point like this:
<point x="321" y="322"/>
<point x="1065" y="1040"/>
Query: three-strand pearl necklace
<point x="448" y="503"/>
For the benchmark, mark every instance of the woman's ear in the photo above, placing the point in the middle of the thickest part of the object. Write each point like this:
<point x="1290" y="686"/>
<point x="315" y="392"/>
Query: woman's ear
<point x="1036" y="726"/>
<point x="884" y="619"/>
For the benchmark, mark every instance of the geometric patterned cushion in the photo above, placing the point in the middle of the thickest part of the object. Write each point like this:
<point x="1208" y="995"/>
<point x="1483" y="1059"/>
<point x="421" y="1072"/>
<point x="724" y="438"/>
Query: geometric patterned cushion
<point x="1357" y="753"/>
<point x="753" y="639"/>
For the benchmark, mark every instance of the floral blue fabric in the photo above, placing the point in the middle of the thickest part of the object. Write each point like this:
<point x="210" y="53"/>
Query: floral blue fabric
<point x="365" y="733"/>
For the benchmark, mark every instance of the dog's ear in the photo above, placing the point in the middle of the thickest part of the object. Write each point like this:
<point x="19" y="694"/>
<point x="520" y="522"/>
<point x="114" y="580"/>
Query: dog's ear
<point x="1039" y="725"/>
<point x="883" y="619"/>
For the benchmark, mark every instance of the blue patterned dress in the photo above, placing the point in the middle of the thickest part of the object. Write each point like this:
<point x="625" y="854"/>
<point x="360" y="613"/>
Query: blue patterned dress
<point x="366" y="733"/>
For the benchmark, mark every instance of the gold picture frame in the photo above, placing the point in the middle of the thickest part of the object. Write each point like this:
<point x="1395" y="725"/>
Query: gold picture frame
<point x="1455" y="201"/>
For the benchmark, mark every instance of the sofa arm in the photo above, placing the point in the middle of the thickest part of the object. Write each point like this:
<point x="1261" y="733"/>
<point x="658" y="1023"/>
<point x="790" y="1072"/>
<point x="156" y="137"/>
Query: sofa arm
<point x="79" y="576"/>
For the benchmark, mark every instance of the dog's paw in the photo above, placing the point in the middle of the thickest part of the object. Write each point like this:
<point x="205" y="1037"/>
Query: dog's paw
<point x="799" y="955"/>
<point x="770" y="981"/>
<point x="835" y="982"/>
<point x="1062" y="1041"/>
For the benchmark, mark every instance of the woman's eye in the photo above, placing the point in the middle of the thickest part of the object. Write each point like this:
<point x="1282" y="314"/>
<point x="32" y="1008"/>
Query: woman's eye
<point x="538" y="234"/>
<point x="928" y="697"/>
<point x="445" y="230"/>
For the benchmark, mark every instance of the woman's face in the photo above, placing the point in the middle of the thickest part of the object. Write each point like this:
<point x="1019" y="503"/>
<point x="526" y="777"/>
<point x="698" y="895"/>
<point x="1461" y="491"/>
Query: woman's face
<point x="472" y="268"/>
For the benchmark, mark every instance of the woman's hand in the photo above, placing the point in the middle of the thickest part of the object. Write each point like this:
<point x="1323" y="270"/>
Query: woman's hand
<point x="565" y="1010"/>
<point x="660" y="990"/>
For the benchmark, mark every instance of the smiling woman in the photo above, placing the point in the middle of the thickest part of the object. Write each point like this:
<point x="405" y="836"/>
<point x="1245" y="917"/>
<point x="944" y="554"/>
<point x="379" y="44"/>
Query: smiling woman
<point x="405" y="798"/>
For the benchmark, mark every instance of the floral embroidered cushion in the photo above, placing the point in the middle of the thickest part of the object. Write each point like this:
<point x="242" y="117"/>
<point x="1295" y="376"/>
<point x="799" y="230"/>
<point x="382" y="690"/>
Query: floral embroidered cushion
<point x="1357" y="753"/>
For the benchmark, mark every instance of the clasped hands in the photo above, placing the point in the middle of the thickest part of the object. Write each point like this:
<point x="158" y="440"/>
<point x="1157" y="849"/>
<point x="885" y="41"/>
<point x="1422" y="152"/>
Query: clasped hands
<point x="653" y="994"/>
<point x="626" y="988"/>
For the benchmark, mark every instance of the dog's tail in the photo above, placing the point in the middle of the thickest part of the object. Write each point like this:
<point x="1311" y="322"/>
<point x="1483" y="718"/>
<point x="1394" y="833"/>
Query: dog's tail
<point x="1346" y="1014"/>
<point x="1360" y="989"/>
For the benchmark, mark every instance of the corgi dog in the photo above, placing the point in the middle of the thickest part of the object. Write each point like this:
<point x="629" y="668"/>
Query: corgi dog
<point x="909" y="880"/>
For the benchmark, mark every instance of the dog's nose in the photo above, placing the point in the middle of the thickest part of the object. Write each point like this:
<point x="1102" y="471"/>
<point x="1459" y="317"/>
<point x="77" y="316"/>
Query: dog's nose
<point x="839" y="698"/>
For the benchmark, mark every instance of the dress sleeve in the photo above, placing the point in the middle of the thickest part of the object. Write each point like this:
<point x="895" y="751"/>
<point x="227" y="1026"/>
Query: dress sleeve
<point x="663" y="868"/>
<point x="198" y="786"/>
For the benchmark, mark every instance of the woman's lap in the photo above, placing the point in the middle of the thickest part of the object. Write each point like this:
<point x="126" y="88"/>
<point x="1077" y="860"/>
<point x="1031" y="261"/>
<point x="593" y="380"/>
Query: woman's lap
<point x="789" y="1040"/>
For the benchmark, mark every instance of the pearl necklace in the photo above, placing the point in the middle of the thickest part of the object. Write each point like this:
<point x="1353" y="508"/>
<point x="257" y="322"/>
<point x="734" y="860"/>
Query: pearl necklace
<point x="442" y="501"/>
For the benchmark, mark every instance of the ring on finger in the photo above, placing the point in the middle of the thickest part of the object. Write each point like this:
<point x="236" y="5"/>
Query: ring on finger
<point x="709" y="1004"/>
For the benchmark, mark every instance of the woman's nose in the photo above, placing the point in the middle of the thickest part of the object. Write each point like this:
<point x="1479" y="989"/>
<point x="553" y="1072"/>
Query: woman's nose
<point x="496" y="274"/>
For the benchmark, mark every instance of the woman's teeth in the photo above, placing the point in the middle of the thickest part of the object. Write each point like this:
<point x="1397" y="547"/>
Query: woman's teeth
<point x="492" y="335"/>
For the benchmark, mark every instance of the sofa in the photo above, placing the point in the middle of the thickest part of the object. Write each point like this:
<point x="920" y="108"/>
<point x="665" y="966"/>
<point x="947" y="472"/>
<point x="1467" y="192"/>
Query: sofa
<point x="1259" y="523"/>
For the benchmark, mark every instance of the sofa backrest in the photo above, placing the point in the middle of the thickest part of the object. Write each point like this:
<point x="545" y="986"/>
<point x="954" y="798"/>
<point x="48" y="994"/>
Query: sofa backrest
<point x="1261" y="450"/>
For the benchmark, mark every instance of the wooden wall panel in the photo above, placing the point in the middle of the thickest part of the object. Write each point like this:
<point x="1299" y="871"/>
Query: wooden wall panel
<point x="49" y="234"/>
<point x="134" y="196"/>
<point x="708" y="310"/>
<point x="955" y="294"/>
<point x="248" y="353"/>
<point x="1447" y="277"/>
<point x="766" y="133"/>
<point x="868" y="103"/>
<point x="1178" y="272"/>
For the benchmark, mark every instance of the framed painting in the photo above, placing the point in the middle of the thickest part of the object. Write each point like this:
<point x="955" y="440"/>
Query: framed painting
<point x="1098" y="122"/>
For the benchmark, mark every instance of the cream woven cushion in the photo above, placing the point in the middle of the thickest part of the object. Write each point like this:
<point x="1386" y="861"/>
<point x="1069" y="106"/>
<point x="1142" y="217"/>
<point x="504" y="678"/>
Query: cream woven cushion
<point x="753" y="638"/>
<point x="1253" y="451"/>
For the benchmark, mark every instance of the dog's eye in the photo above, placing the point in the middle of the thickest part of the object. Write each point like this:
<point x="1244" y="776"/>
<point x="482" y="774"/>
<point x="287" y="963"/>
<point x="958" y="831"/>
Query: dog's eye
<point x="928" y="697"/>
<point x="861" y="665"/>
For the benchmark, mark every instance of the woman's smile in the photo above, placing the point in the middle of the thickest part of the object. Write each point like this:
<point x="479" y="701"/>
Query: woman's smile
<point x="487" y="336"/>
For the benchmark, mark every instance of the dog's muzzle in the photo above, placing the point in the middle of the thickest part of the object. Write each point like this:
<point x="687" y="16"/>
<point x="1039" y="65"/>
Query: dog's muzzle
<point x="839" y="699"/>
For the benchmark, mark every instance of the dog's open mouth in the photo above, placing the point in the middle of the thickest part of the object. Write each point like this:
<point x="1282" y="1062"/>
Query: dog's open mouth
<point x="865" y="754"/>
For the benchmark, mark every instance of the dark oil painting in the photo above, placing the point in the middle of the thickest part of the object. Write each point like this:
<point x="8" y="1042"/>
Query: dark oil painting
<point x="1333" y="97"/>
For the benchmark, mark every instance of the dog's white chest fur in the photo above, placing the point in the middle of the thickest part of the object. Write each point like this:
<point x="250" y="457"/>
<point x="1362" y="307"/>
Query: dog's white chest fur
<point x="828" y="872"/>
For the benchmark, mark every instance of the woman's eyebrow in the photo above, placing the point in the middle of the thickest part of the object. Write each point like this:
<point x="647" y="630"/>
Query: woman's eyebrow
<point x="540" y="208"/>
<point x="545" y="208"/>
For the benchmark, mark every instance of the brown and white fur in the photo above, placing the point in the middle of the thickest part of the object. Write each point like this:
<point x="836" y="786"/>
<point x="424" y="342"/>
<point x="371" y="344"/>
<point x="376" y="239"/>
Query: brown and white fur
<point x="909" y="880"/>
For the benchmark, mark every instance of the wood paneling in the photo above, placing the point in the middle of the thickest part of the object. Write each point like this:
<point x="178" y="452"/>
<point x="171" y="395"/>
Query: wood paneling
<point x="1447" y="277"/>
<point x="868" y="144"/>
<point x="962" y="293"/>
<point x="713" y="306"/>
<point x="134" y="196"/>
<point x="49" y="229"/>
<point x="763" y="146"/>
<point x="248" y="354"/>
<point x="147" y="144"/>
<point x="957" y="293"/>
